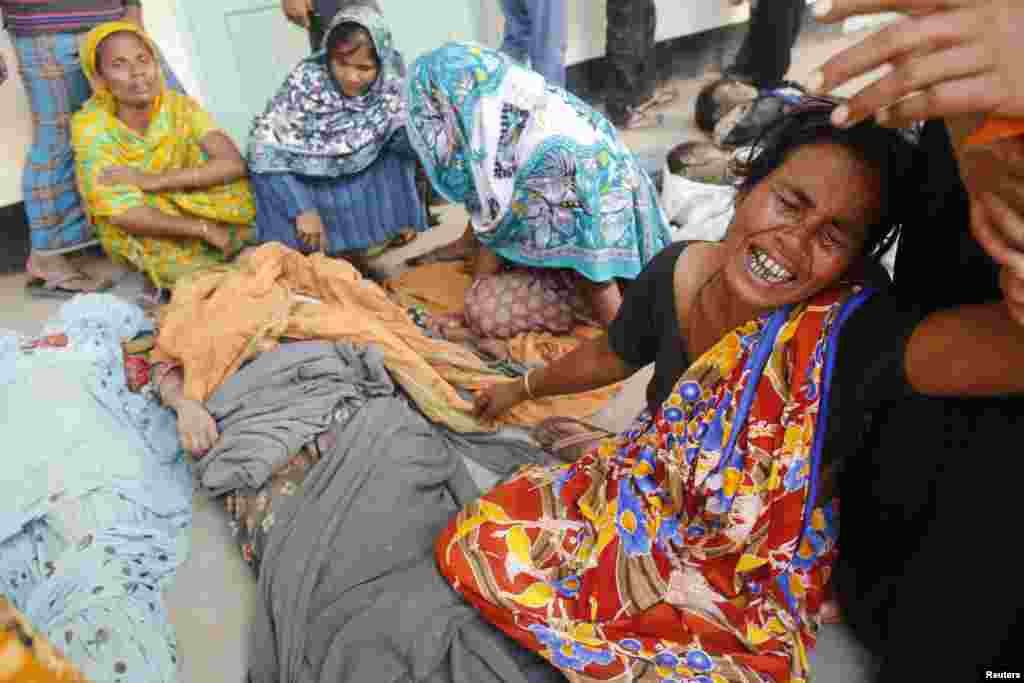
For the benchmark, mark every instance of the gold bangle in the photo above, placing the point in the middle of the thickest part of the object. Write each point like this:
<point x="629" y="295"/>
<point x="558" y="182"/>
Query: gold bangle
<point x="526" y="386"/>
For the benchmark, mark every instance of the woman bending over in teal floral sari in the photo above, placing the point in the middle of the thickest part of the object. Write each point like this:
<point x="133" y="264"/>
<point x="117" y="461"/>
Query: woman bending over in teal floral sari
<point x="548" y="185"/>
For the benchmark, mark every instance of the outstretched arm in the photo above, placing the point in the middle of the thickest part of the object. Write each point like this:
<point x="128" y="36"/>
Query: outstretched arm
<point x="591" y="365"/>
<point x="196" y="427"/>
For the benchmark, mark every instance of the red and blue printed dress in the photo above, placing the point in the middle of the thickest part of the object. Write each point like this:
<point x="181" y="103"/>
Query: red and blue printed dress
<point x="691" y="548"/>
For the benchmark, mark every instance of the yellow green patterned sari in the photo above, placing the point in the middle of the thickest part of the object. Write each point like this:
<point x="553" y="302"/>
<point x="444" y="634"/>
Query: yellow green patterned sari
<point x="172" y="141"/>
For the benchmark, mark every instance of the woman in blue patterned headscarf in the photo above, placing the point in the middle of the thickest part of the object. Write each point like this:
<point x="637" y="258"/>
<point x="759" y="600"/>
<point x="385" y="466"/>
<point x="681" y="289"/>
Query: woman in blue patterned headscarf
<point x="547" y="182"/>
<point x="330" y="162"/>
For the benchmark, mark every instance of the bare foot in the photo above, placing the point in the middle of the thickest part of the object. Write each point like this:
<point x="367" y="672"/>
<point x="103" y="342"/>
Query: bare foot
<point x="58" y="268"/>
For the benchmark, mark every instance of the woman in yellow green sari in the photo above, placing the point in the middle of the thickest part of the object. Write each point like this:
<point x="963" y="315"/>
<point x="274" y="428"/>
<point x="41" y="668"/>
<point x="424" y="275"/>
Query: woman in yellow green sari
<point x="166" y="189"/>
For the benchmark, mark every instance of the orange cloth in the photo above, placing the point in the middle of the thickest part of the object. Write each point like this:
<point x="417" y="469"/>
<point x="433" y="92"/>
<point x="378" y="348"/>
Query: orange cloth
<point x="219" y="318"/>
<point x="996" y="128"/>
<point x="441" y="287"/>
<point x="25" y="654"/>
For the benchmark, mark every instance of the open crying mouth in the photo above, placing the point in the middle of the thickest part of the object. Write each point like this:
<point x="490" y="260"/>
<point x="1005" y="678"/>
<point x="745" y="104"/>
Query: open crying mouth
<point x="762" y="266"/>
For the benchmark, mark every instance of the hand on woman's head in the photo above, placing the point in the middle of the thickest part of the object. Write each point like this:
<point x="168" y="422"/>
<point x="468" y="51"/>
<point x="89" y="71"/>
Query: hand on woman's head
<point x="949" y="57"/>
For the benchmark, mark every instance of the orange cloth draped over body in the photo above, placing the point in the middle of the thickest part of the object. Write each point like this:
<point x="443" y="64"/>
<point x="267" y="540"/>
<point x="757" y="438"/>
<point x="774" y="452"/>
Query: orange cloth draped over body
<point x="219" y="318"/>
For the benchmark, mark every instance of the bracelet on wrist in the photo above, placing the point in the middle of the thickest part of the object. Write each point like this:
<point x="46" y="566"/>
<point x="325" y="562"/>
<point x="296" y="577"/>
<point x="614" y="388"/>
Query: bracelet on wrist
<point x="526" y="386"/>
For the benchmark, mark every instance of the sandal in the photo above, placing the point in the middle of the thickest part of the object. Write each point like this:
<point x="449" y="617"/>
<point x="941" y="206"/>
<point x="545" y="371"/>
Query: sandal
<point x="556" y="437"/>
<point x="43" y="285"/>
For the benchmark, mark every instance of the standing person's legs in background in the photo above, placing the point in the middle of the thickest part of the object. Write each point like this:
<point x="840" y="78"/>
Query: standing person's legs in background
<point x="633" y="64"/>
<point x="761" y="63"/>
<point x="548" y="29"/>
<point x="518" y="28"/>
<point x="766" y="53"/>
<point x="56" y="88"/>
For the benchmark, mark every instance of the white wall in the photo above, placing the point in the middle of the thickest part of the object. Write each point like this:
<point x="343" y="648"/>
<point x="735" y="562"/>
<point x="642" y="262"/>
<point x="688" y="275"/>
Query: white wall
<point x="587" y="25"/>
<point x="16" y="129"/>
<point x="16" y="117"/>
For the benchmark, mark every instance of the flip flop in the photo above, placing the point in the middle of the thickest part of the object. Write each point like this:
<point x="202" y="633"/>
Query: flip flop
<point x="42" y="285"/>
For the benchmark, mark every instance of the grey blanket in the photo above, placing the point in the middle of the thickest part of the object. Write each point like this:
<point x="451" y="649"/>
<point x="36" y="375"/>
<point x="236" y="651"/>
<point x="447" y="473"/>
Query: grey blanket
<point x="348" y="589"/>
<point x="281" y="401"/>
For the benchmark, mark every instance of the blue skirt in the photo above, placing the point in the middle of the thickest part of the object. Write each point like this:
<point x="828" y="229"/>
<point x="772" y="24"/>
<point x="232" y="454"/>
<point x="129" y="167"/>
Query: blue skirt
<point x="358" y="211"/>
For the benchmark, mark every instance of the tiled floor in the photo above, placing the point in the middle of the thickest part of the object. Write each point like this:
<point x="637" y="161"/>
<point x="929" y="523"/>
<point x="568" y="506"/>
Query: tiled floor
<point x="213" y="595"/>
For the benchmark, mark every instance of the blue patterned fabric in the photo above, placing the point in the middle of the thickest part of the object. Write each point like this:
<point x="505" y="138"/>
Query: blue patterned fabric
<point x="96" y="497"/>
<point x="358" y="211"/>
<point x="545" y="178"/>
<point x="312" y="128"/>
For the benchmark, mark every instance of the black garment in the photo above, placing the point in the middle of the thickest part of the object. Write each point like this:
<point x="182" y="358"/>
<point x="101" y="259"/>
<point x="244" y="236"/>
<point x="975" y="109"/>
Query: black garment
<point x="929" y="486"/>
<point x="324" y="11"/>
<point x="647" y="329"/>
<point x="631" y="56"/>
<point x="764" y="57"/>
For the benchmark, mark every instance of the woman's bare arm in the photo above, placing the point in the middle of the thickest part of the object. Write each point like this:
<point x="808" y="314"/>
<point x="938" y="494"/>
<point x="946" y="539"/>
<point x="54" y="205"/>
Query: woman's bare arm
<point x="196" y="427"/>
<point x="591" y="365"/>
<point x="975" y="350"/>
<point x="224" y="165"/>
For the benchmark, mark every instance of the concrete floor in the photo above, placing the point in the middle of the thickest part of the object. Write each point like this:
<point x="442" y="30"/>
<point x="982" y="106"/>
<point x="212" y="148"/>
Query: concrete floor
<point x="212" y="597"/>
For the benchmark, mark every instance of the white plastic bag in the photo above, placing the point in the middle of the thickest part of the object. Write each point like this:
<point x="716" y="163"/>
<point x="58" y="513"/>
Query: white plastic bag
<point x="700" y="210"/>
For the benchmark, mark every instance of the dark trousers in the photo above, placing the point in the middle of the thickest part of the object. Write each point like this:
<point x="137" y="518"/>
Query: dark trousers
<point x="764" y="57"/>
<point x="630" y="53"/>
